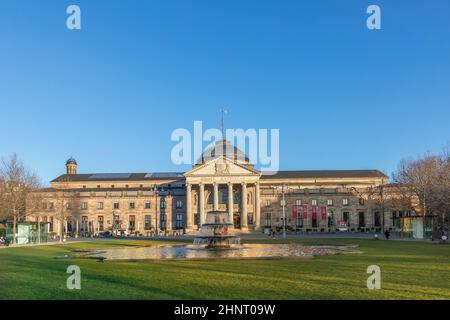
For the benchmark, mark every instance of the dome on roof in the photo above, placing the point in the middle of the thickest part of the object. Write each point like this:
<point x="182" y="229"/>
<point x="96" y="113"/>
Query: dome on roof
<point x="224" y="148"/>
<point x="71" y="161"/>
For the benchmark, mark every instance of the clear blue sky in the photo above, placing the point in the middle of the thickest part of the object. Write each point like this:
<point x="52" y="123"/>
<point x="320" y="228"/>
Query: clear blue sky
<point x="110" y="94"/>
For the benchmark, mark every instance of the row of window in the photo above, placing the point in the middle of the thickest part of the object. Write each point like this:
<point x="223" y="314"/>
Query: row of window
<point x="140" y="186"/>
<point x="131" y="205"/>
<point x="314" y="202"/>
<point x="88" y="226"/>
<point x="314" y="221"/>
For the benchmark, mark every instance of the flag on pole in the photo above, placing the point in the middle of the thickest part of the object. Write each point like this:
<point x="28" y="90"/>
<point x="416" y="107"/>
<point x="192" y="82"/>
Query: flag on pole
<point x="305" y="211"/>
<point x="323" y="212"/>
<point x="314" y="212"/>
<point x="294" y="211"/>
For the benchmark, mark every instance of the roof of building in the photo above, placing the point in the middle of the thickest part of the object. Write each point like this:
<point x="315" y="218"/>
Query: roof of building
<point x="304" y="174"/>
<point x="118" y="176"/>
<point x="319" y="174"/>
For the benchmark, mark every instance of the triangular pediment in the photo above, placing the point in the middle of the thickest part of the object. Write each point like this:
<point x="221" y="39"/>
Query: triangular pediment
<point x="221" y="166"/>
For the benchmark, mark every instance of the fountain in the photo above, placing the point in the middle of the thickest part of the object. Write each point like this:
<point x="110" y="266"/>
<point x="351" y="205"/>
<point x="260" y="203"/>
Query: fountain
<point x="215" y="233"/>
<point x="216" y="241"/>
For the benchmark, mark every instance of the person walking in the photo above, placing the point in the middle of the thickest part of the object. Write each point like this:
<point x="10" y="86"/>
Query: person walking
<point x="387" y="234"/>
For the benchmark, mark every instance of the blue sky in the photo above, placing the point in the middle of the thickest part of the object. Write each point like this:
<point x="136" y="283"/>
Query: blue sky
<point x="110" y="94"/>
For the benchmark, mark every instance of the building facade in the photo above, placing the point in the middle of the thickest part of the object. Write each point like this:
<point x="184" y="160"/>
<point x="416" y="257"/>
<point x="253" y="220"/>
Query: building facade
<point x="168" y="203"/>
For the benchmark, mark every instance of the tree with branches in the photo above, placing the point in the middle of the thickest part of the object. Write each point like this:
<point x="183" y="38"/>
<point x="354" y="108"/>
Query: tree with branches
<point x="423" y="184"/>
<point x="16" y="184"/>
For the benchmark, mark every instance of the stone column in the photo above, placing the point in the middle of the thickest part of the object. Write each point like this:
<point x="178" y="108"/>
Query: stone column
<point x="216" y="197"/>
<point x="168" y="212"/>
<point x="257" y="204"/>
<point x="244" y="224"/>
<point x="189" y="215"/>
<point x="230" y="202"/>
<point x="202" y="203"/>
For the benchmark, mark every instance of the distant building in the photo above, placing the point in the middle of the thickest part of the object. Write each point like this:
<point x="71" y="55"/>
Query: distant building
<point x="140" y="203"/>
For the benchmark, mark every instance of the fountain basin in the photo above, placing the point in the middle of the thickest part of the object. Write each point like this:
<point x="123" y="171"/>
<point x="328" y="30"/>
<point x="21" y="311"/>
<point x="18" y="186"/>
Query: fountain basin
<point x="196" y="252"/>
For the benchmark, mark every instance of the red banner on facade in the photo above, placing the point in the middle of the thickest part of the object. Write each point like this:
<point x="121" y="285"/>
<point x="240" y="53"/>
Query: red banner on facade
<point x="305" y="211"/>
<point x="323" y="212"/>
<point x="294" y="212"/>
<point x="314" y="212"/>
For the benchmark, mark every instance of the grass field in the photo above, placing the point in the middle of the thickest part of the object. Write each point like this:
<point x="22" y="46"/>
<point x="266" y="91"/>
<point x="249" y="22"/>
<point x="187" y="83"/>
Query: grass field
<point x="410" y="270"/>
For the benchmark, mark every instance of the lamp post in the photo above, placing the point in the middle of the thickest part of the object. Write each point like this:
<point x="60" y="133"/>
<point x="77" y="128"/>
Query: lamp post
<point x="284" y="212"/>
<point x="155" y="191"/>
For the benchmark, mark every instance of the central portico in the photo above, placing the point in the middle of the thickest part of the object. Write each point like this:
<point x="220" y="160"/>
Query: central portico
<point x="223" y="182"/>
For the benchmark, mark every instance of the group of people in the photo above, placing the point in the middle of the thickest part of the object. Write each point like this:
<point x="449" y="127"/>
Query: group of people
<point x="2" y="241"/>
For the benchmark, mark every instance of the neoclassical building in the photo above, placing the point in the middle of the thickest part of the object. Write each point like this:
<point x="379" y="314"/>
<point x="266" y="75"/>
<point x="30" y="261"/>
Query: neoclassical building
<point x="142" y="203"/>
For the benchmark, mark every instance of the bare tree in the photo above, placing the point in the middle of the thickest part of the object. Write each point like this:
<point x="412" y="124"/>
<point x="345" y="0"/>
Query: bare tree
<point x="17" y="183"/>
<point x="63" y="203"/>
<point x="424" y="185"/>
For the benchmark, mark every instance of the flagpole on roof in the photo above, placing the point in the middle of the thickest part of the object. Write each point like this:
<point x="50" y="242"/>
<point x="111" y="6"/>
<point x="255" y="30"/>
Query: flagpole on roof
<point x="224" y="111"/>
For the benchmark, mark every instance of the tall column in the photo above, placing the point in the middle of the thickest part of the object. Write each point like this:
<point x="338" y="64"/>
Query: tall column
<point x="244" y="224"/>
<point x="216" y="197"/>
<point x="230" y="202"/>
<point x="257" y="204"/>
<point x="202" y="203"/>
<point x="189" y="216"/>
<point x="168" y="212"/>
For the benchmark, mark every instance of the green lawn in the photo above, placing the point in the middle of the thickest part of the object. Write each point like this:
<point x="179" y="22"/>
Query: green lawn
<point x="410" y="270"/>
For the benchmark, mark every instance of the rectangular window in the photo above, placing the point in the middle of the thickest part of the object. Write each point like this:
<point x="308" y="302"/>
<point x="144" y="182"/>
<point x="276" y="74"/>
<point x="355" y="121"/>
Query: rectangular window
<point x="148" y="222"/>
<point x="116" y="205"/>
<point x="116" y="222"/>
<point x="298" y="202"/>
<point x="267" y="204"/>
<point x="179" y="221"/>
<point x="314" y="202"/>
<point x="132" y="223"/>
<point x="361" y="201"/>
<point x="84" y="224"/>
<point x="346" y="217"/>
<point x="147" y="205"/>
<point x="100" y="223"/>
<point x="330" y="202"/>
<point x="345" y="202"/>
<point x="299" y="221"/>
<point x="52" y="206"/>
<point x="361" y="220"/>
<point x="377" y="219"/>
<point x="163" y="221"/>
<point x="84" y="205"/>
<point x="179" y="204"/>
<point x="132" y="205"/>
<point x="50" y="227"/>
<point x="100" y="206"/>
<point x="163" y="204"/>
<point x="69" y="225"/>
<point x="268" y="220"/>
